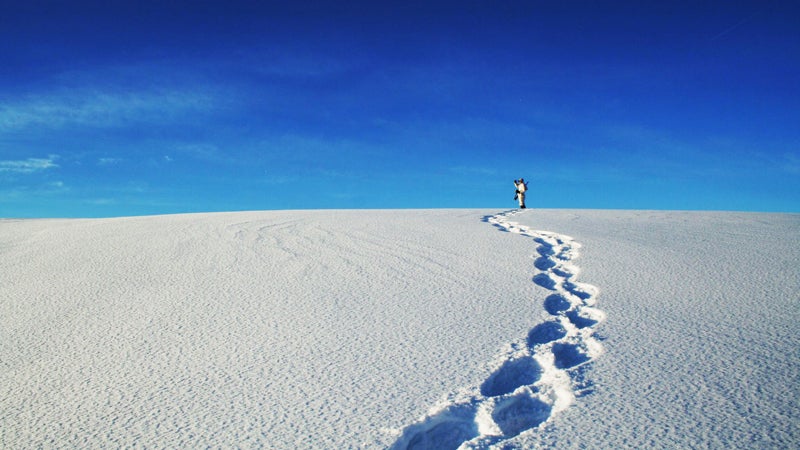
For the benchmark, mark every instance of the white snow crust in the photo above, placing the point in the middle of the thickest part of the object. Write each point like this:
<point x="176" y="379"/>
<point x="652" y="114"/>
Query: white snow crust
<point x="401" y="329"/>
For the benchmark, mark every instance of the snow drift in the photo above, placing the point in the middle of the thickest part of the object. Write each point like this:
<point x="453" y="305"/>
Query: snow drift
<point x="403" y="329"/>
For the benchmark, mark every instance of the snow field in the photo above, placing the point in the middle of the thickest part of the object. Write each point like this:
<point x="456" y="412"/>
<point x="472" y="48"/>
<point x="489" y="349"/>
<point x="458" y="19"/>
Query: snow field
<point x="404" y="329"/>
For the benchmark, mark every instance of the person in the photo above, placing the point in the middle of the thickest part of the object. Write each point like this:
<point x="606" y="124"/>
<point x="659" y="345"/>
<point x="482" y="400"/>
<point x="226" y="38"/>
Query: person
<point x="521" y="186"/>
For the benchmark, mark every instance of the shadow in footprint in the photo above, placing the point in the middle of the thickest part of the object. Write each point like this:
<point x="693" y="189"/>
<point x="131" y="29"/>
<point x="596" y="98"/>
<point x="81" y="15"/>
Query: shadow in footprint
<point x="568" y="355"/>
<point x="577" y="290"/>
<point x="545" y="332"/>
<point x="511" y="375"/>
<point x="545" y="249"/>
<point x="580" y="321"/>
<point x="491" y="217"/>
<point x="546" y="281"/>
<point x="447" y="435"/>
<point x="563" y="273"/>
<point x="501" y="228"/>
<point x="447" y="430"/>
<point x="556" y="303"/>
<point x="544" y="263"/>
<point x="519" y="413"/>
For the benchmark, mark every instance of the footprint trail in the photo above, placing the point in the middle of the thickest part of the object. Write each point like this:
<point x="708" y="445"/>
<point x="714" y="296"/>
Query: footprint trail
<point x="539" y="375"/>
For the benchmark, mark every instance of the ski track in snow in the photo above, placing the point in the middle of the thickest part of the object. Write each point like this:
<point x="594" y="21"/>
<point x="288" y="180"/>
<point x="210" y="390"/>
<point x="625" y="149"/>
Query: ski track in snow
<point x="535" y="377"/>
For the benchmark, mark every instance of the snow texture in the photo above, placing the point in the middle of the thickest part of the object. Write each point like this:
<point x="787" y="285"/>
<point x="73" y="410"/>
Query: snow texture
<point x="408" y="329"/>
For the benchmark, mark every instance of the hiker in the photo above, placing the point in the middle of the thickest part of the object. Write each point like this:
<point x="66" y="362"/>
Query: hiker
<point x="521" y="186"/>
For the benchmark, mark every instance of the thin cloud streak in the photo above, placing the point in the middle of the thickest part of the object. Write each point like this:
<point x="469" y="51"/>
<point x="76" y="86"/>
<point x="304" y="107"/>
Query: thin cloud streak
<point x="29" y="165"/>
<point x="730" y="29"/>
<point x="101" y="108"/>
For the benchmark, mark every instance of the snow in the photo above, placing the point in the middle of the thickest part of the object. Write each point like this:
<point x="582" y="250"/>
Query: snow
<point x="401" y="329"/>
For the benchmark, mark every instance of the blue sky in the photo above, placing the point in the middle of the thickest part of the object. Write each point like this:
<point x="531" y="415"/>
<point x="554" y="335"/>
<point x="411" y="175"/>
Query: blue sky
<point x="121" y="108"/>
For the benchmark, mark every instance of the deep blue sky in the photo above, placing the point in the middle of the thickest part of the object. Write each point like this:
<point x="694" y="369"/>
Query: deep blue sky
<point x="133" y="107"/>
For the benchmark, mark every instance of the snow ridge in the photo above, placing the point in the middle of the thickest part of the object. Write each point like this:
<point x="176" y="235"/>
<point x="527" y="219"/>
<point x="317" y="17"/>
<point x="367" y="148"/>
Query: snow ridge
<point x="534" y="378"/>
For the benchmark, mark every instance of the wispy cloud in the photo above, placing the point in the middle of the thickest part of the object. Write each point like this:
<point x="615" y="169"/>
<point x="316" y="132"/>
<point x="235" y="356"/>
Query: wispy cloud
<point x="26" y="193"/>
<point x="108" y="161"/>
<point x="86" y="107"/>
<point x="29" y="165"/>
<point x="202" y="151"/>
<point x="730" y="29"/>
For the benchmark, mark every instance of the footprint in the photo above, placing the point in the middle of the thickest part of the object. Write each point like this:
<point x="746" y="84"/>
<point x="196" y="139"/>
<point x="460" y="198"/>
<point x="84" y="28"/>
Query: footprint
<point x="446" y="430"/>
<point x="544" y="263"/>
<point x="582" y="291"/>
<point x="564" y="271"/>
<point x="568" y="355"/>
<point x="546" y="281"/>
<point x="511" y="375"/>
<point x="566" y="254"/>
<point x="546" y="250"/>
<point x="500" y="227"/>
<point x="556" y="304"/>
<point x="519" y="413"/>
<point x="447" y="435"/>
<point x="545" y="332"/>
<point x="581" y="320"/>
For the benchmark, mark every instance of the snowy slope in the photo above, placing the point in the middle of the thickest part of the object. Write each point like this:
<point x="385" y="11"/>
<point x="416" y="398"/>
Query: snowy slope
<point x="409" y="328"/>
